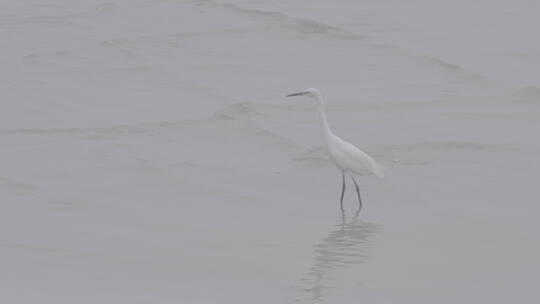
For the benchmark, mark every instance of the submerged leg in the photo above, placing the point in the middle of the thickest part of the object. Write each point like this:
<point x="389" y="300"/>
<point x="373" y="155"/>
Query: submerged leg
<point x="357" y="192"/>
<point x="342" y="190"/>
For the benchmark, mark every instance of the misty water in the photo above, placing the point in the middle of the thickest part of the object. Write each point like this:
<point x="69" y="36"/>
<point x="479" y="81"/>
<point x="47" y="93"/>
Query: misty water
<point x="148" y="154"/>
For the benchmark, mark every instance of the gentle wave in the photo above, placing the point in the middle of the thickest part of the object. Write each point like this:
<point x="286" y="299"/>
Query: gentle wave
<point x="443" y="65"/>
<point x="127" y="128"/>
<point x="243" y="110"/>
<point x="238" y="114"/>
<point x="312" y="26"/>
<point x="303" y="25"/>
<point x="15" y="185"/>
<point x="528" y="94"/>
<point x="468" y="146"/>
<point x="43" y="249"/>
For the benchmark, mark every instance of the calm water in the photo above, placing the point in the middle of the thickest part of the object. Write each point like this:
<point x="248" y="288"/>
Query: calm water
<point x="149" y="154"/>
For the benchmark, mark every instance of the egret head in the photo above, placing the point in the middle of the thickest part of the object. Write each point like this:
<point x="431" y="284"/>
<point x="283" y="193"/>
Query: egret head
<point x="308" y="92"/>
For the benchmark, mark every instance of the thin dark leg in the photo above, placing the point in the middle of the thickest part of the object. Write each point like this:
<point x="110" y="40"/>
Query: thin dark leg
<point x="358" y="192"/>
<point x="342" y="190"/>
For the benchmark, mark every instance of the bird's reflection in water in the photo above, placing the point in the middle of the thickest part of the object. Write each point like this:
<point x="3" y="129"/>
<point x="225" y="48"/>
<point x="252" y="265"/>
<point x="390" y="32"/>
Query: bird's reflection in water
<point x="344" y="246"/>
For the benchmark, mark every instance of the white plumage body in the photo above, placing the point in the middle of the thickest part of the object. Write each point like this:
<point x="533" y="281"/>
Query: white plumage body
<point x="348" y="158"/>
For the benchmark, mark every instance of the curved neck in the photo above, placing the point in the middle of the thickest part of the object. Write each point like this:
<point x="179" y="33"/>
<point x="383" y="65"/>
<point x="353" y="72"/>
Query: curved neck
<point x="322" y="113"/>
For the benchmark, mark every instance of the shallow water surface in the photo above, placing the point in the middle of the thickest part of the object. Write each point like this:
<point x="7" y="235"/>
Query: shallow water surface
<point x="149" y="154"/>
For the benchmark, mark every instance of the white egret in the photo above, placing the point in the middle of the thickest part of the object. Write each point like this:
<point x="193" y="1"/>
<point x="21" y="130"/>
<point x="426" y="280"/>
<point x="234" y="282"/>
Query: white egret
<point x="347" y="157"/>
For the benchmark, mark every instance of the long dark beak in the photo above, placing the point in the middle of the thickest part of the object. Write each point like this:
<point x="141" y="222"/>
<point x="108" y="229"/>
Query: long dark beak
<point x="296" y="94"/>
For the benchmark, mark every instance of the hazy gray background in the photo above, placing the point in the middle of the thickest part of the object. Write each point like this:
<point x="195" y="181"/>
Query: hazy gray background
<point x="148" y="154"/>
